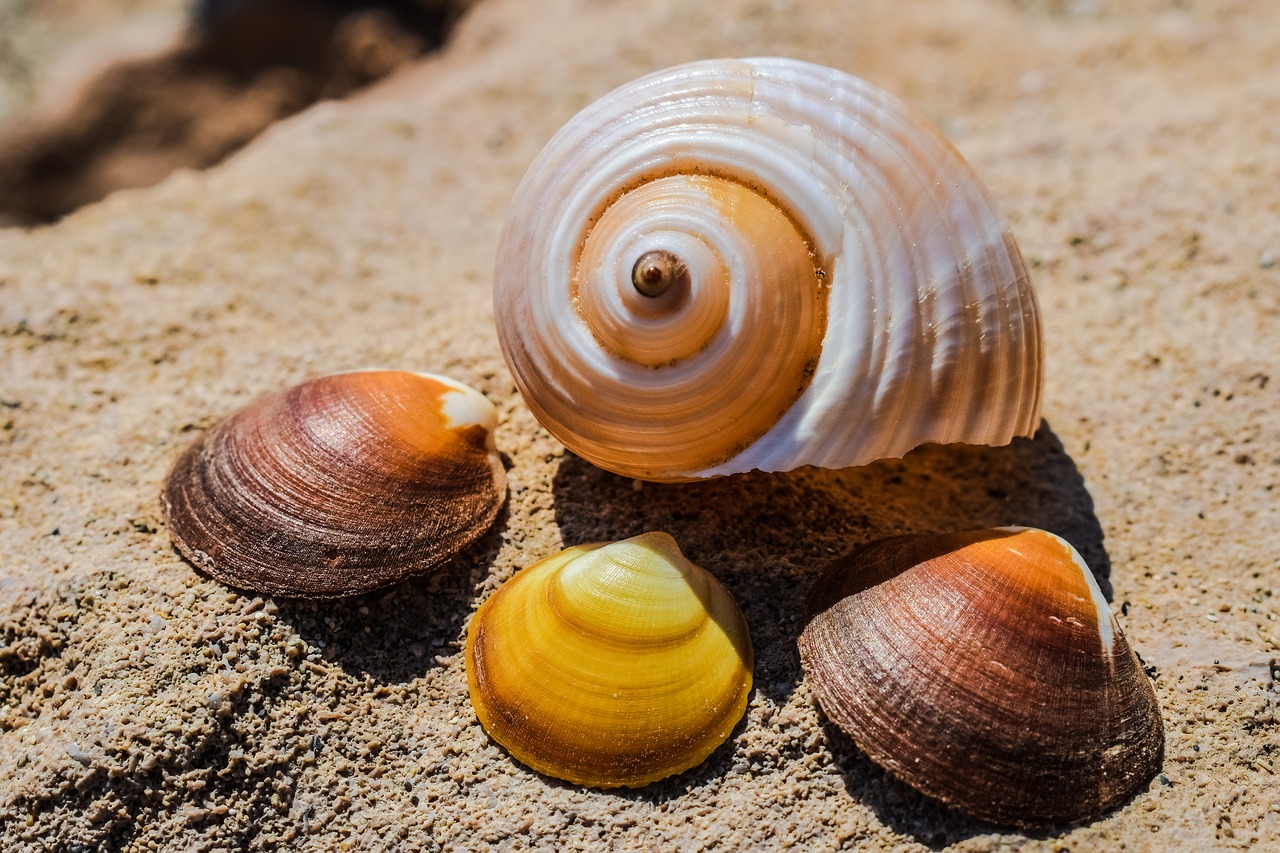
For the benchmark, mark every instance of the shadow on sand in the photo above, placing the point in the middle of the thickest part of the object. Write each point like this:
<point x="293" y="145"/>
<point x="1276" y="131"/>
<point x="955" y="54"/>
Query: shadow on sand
<point x="768" y="536"/>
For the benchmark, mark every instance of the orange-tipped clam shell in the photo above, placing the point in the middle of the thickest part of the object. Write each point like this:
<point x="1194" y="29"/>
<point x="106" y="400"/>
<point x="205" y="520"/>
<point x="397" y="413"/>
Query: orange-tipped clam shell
<point x="339" y="485"/>
<point x="984" y="669"/>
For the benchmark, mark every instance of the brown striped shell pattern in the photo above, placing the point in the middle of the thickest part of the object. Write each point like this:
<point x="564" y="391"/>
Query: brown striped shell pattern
<point x="340" y="485"/>
<point x="987" y="670"/>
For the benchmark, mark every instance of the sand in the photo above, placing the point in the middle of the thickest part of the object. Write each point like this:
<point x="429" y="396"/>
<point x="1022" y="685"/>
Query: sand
<point x="46" y="47"/>
<point x="1134" y="146"/>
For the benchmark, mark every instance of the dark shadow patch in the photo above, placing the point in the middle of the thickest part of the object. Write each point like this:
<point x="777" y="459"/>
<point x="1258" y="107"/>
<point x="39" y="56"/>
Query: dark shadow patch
<point x="241" y="66"/>
<point x="394" y="635"/>
<point x="768" y="536"/>
<point x="802" y="515"/>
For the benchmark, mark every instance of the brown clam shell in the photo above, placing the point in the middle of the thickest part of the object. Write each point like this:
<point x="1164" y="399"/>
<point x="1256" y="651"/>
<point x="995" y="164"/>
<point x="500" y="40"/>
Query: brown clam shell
<point x="338" y="486"/>
<point x="984" y="669"/>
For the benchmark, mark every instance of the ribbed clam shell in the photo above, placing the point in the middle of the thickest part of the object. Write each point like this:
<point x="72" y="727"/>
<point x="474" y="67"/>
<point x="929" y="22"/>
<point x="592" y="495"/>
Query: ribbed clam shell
<point x="987" y="670"/>
<point x="852" y="291"/>
<point x="610" y="664"/>
<point x="339" y="485"/>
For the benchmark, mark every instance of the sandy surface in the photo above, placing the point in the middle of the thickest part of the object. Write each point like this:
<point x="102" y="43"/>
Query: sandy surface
<point x="149" y="95"/>
<point x="1135" y="146"/>
<point x="49" y="46"/>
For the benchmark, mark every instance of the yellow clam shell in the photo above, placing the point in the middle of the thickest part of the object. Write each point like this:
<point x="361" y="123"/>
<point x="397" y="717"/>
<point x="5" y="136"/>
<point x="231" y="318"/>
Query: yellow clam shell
<point x="610" y="664"/>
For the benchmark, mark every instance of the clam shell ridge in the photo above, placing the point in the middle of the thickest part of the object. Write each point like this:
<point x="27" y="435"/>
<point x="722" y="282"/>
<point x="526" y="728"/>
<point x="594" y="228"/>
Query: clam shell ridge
<point x="610" y="664"/>
<point x="851" y="293"/>
<point x="340" y="485"/>
<point x="984" y="669"/>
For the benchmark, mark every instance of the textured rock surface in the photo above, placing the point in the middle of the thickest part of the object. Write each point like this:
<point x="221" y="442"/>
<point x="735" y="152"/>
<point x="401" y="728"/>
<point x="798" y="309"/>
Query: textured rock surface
<point x="1132" y="145"/>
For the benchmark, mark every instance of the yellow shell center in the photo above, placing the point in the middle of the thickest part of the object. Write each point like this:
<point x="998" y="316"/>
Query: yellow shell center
<point x="610" y="664"/>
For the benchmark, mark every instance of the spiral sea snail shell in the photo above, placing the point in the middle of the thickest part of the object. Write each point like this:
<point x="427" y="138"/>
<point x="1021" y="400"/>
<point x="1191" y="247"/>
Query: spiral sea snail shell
<point x="762" y="264"/>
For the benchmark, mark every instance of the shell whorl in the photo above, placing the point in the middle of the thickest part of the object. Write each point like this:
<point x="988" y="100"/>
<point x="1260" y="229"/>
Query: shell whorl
<point x="847" y="290"/>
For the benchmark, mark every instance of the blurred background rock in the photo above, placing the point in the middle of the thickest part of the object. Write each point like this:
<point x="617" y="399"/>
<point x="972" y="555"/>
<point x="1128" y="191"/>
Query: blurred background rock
<point x="100" y="95"/>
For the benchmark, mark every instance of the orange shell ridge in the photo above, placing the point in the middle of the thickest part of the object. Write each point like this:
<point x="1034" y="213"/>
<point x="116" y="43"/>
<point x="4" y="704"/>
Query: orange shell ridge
<point x="987" y="670"/>
<point x="338" y="486"/>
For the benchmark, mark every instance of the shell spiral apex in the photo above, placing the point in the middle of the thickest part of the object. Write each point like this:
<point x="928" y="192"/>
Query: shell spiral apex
<point x="762" y="264"/>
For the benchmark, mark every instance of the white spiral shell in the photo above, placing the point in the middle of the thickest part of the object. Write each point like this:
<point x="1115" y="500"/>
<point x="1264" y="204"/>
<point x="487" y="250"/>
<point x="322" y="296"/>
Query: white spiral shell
<point x="845" y="290"/>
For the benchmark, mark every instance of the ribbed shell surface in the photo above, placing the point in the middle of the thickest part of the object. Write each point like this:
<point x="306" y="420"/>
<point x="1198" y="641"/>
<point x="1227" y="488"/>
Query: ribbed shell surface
<point x="610" y="664"/>
<point x="340" y="485"/>
<point x="985" y="669"/>
<point x="899" y="313"/>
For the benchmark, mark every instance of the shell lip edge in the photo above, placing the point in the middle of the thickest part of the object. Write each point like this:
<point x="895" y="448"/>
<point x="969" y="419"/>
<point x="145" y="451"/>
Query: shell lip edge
<point x="641" y="775"/>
